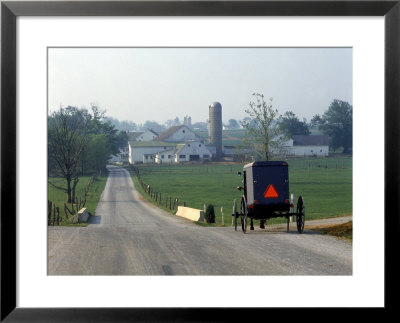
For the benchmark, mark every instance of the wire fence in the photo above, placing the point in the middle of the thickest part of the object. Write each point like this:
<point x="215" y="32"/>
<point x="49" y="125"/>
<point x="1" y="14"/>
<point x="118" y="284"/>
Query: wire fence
<point x="161" y="199"/>
<point x="57" y="215"/>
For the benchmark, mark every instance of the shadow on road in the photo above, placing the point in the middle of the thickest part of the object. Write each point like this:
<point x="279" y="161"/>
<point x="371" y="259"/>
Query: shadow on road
<point x="94" y="219"/>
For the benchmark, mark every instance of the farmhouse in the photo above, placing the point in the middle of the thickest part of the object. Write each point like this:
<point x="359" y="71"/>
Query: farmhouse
<point x="310" y="145"/>
<point x="147" y="135"/>
<point x="188" y="151"/>
<point x="141" y="151"/>
<point x="177" y="144"/>
<point x="305" y="145"/>
<point x="115" y="159"/>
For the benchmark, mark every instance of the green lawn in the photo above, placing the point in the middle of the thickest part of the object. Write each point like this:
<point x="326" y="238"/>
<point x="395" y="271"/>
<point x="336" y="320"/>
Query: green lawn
<point x="325" y="184"/>
<point x="59" y="197"/>
<point x="229" y="137"/>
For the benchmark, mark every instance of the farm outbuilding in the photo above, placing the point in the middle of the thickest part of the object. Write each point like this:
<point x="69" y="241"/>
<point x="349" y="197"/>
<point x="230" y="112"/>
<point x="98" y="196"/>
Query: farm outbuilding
<point x="167" y="156"/>
<point x="114" y="159"/>
<point x="310" y="145"/>
<point x="304" y="146"/>
<point x="191" y="151"/>
<point x="139" y="150"/>
<point x="177" y="144"/>
<point x="147" y="135"/>
<point x="212" y="149"/>
<point x="183" y="152"/>
<point x="133" y="135"/>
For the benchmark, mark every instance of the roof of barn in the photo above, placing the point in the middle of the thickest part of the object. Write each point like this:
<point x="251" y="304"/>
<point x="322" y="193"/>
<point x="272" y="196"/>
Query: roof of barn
<point x="304" y="140"/>
<point x="151" y="144"/>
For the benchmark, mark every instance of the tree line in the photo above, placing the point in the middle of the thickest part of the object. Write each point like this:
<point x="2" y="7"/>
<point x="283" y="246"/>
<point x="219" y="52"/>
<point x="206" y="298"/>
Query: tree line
<point x="80" y="141"/>
<point x="267" y="130"/>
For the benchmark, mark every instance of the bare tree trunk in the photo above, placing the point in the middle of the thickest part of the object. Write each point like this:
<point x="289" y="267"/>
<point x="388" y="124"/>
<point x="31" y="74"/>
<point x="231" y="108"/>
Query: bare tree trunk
<point x="68" y="178"/>
<point x="73" y="197"/>
<point x="65" y="211"/>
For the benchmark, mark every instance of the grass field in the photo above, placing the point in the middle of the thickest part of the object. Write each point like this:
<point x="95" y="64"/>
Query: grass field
<point x="325" y="184"/>
<point x="342" y="231"/>
<point x="229" y="137"/>
<point x="58" y="197"/>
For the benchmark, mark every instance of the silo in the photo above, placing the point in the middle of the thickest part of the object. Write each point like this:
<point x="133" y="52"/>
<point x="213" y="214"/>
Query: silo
<point x="215" y="127"/>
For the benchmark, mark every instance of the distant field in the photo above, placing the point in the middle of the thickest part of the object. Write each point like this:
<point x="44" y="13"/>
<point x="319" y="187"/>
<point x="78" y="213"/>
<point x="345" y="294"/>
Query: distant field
<point x="229" y="137"/>
<point x="325" y="184"/>
<point x="58" y="197"/>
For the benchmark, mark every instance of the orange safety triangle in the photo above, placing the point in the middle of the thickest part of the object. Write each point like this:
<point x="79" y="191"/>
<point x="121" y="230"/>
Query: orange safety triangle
<point x="270" y="192"/>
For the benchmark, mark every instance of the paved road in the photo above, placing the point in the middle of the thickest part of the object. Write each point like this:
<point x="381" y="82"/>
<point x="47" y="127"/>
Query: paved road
<point x="130" y="236"/>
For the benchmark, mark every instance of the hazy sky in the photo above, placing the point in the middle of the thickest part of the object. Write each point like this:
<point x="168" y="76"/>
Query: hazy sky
<point x="140" y="84"/>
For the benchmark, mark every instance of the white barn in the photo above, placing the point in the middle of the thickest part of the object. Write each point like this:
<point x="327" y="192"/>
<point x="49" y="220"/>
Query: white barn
<point x="310" y="145"/>
<point x="178" y="134"/>
<point x="142" y="151"/>
<point x="167" y="156"/>
<point x="193" y="150"/>
<point x="305" y="146"/>
<point x="115" y="159"/>
<point x="147" y="135"/>
<point x="178" y="143"/>
<point x="188" y="151"/>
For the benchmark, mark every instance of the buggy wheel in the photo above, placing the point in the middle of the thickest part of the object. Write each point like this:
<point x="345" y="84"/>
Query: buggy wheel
<point x="234" y="214"/>
<point x="243" y="214"/>
<point x="301" y="214"/>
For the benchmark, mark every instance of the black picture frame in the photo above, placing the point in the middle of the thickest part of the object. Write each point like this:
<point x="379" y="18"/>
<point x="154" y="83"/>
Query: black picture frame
<point x="10" y="10"/>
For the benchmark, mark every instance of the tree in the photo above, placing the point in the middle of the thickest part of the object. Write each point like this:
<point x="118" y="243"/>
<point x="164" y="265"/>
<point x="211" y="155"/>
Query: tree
<point x="99" y="124"/>
<point x="122" y="125"/>
<point x="67" y="137"/>
<point x="291" y="125"/>
<point x="316" y="121"/>
<point x="233" y="124"/>
<point x="78" y="142"/>
<point x="127" y="126"/>
<point x="263" y="132"/>
<point x="337" y="123"/>
<point x="200" y="126"/>
<point x="103" y="140"/>
<point x="153" y="125"/>
<point x="122" y="140"/>
<point x="98" y="151"/>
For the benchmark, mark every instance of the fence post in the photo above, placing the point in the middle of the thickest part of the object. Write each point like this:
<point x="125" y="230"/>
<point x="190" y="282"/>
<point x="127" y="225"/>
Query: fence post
<point x="58" y="215"/>
<point x="292" y="208"/>
<point x="49" y="206"/>
<point x="222" y="212"/>
<point x="54" y="212"/>
<point x="234" y="210"/>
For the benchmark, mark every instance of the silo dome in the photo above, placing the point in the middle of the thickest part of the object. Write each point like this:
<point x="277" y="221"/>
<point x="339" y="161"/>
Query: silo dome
<point x="215" y="129"/>
<point x="216" y="105"/>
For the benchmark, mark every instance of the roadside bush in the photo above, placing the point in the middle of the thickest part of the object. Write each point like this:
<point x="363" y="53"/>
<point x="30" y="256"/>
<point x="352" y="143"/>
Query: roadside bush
<point x="209" y="216"/>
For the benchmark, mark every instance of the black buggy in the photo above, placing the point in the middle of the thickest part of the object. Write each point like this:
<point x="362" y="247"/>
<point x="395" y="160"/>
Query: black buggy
<point x="266" y="195"/>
